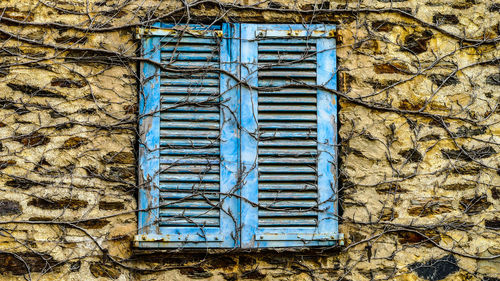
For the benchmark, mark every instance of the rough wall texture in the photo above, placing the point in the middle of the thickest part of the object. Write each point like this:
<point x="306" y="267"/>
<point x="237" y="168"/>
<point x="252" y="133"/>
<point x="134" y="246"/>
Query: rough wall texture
<point x="419" y="85"/>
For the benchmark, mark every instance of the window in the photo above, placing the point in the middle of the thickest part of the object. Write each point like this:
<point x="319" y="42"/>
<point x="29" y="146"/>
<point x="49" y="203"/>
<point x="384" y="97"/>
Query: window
<point x="238" y="136"/>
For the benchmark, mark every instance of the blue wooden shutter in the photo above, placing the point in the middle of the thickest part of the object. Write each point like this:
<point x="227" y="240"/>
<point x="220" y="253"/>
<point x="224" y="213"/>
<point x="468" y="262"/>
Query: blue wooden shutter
<point x="189" y="138"/>
<point x="288" y="136"/>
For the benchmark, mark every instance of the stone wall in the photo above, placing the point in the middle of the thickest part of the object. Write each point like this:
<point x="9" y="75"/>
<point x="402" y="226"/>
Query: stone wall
<point x="419" y="85"/>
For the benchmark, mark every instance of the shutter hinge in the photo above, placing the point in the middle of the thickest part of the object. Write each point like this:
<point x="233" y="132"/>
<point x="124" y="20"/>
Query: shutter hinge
<point x="334" y="33"/>
<point x="138" y="33"/>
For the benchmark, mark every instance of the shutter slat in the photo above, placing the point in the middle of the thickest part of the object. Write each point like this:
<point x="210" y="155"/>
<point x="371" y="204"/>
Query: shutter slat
<point x="171" y="47"/>
<point x="279" y="133"/>
<point x="200" y="169"/>
<point x="185" y="108"/>
<point x="196" y="177"/>
<point x="187" y="92"/>
<point x="189" y="221"/>
<point x="203" y="82"/>
<point x="285" y="169"/>
<point x="275" y="48"/>
<point x="289" y="92"/>
<point x="169" y="159"/>
<point x="279" y="142"/>
<point x="308" y="57"/>
<point x="189" y="57"/>
<point x="271" y="213"/>
<point x="287" y="74"/>
<point x="187" y="204"/>
<point x="287" y="151"/>
<point x="191" y="65"/>
<point x="289" y="65"/>
<point x="284" y="99"/>
<point x="190" y="143"/>
<point x="288" y="82"/>
<point x="191" y="98"/>
<point x="286" y="160"/>
<point x="287" y="125"/>
<point x="287" y="178"/>
<point x="288" y="108"/>
<point x="202" y="134"/>
<point x="190" y="151"/>
<point x="202" y="213"/>
<point x="289" y="205"/>
<point x="191" y="116"/>
<point x="190" y="74"/>
<point x="280" y="186"/>
<point x="187" y="195"/>
<point x="279" y="195"/>
<point x="287" y="117"/>
<point x="172" y="185"/>
<point x="286" y="41"/>
<point x="191" y="125"/>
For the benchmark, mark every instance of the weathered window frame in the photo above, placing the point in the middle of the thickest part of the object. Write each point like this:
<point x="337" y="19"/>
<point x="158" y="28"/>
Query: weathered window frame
<point x="238" y="52"/>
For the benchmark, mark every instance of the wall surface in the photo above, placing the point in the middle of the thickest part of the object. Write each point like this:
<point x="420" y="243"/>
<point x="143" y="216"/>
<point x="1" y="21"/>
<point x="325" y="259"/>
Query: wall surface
<point x="419" y="89"/>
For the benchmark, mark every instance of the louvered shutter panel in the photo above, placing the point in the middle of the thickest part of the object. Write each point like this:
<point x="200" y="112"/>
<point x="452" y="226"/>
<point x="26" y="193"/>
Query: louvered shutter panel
<point x="288" y="136"/>
<point x="189" y="156"/>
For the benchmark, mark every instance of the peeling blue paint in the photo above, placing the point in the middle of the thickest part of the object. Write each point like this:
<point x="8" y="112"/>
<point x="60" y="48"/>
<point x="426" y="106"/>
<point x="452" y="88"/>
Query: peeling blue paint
<point x="293" y="138"/>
